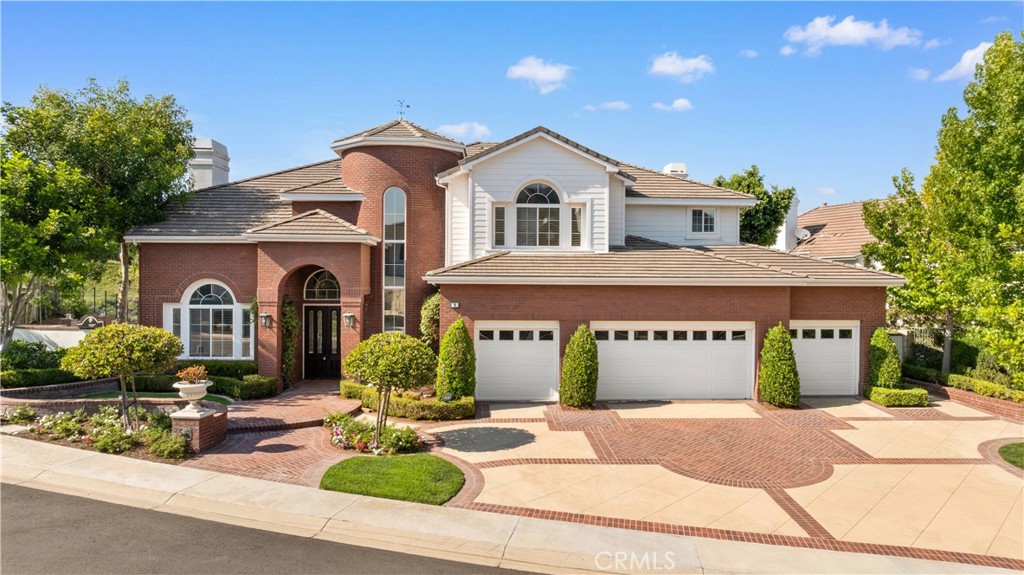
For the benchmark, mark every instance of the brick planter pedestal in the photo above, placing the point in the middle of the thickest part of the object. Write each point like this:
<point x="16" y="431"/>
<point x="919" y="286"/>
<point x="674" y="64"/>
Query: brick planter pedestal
<point x="204" y="428"/>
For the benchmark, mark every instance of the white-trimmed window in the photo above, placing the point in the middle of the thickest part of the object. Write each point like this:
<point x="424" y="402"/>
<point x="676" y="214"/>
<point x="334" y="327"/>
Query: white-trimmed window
<point x="322" y="286"/>
<point x="211" y="323"/>
<point x="394" y="259"/>
<point x="538" y="216"/>
<point x="702" y="221"/>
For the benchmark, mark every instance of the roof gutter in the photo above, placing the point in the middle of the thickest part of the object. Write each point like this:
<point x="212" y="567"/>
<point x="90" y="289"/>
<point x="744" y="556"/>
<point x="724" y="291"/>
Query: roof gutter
<point x="637" y="281"/>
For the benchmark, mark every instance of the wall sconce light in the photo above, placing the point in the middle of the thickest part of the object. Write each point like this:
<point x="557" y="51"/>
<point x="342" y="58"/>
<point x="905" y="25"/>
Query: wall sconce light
<point x="350" y="319"/>
<point x="265" y="319"/>
<point x="455" y="305"/>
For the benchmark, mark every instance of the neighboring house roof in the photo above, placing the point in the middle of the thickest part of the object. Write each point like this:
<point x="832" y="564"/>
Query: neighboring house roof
<point x="400" y="129"/>
<point x="230" y="209"/>
<point x="836" y="231"/>
<point x="475" y="148"/>
<point x="652" y="184"/>
<point x="313" y="225"/>
<point x="646" y="262"/>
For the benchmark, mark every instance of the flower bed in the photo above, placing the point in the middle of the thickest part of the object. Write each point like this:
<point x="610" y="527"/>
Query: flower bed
<point x="350" y="433"/>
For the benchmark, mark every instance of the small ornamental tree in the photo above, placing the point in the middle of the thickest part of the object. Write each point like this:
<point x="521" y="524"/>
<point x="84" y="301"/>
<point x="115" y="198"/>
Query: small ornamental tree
<point x="884" y="369"/>
<point x="456" y="367"/>
<point x="391" y="361"/>
<point x="579" y="370"/>
<point x="430" y="321"/>
<point x="779" y="380"/>
<point x="123" y="350"/>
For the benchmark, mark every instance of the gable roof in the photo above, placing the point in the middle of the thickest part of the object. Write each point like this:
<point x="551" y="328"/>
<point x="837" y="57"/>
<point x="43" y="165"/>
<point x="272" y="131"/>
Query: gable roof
<point x="647" y="262"/>
<point x="837" y="231"/>
<point x="397" y="130"/>
<point x="313" y="225"/>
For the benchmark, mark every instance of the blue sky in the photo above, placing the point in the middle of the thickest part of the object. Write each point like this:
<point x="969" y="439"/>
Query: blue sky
<point x="859" y="95"/>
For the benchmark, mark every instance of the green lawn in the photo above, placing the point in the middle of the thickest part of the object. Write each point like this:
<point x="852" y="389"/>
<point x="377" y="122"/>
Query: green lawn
<point x="1013" y="453"/>
<point x="419" y="477"/>
<point x="217" y="398"/>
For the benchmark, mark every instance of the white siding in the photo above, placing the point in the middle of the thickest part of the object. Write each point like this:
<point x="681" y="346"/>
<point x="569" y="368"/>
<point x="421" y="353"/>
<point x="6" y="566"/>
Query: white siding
<point x="617" y="213"/>
<point x="458" y="221"/>
<point x="580" y="179"/>
<point x="671" y="224"/>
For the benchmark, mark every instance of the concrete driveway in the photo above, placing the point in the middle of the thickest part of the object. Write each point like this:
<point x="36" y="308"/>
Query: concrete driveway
<point x="840" y="474"/>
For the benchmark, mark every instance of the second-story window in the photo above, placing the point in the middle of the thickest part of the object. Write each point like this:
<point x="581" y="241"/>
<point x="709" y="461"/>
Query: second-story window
<point x="394" y="260"/>
<point x="702" y="221"/>
<point x="537" y="216"/>
<point x="499" y="226"/>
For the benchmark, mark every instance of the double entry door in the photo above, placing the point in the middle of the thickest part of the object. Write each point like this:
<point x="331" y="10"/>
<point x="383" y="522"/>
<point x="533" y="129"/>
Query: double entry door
<point x="322" y="346"/>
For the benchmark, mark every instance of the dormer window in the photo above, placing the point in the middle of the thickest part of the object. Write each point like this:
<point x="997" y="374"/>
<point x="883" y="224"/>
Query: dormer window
<point x="702" y="221"/>
<point x="537" y="216"/>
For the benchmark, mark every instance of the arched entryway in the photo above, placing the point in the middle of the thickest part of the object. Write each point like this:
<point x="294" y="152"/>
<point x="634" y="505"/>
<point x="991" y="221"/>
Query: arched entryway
<point x="322" y="323"/>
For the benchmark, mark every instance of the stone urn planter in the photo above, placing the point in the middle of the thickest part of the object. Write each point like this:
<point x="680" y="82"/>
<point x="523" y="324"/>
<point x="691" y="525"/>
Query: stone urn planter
<point x="192" y="392"/>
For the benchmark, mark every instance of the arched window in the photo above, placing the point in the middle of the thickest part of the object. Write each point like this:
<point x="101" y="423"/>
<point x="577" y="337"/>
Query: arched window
<point x="394" y="259"/>
<point x="322" y="285"/>
<point x="211" y="323"/>
<point x="537" y="216"/>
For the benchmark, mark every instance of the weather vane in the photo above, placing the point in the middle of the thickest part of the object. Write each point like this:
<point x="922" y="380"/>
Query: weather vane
<point x="401" y="108"/>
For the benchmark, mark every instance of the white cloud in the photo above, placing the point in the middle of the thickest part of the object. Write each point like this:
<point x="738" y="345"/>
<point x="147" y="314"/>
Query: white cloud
<point x="919" y="74"/>
<point x="787" y="50"/>
<point x="541" y="74"/>
<point x="613" y="105"/>
<point x="465" y="130"/>
<point x="677" y="105"/>
<point x="683" y="69"/>
<point x="935" y="43"/>
<point x="823" y="31"/>
<point x="965" y="67"/>
<point x="992" y="20"/>
<point x="827" y="191"/>
<point x="748" y="53"/>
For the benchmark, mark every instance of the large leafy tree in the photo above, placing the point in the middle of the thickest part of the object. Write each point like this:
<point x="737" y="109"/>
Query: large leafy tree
<point x="960" y="241"/>
<point x="135" y="152"/>
<point x="759" y="224"/>
<point x="50" y="234"/>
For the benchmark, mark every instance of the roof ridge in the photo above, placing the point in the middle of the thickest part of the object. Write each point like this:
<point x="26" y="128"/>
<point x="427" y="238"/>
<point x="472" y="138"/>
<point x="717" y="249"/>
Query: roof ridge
<point x="469" y="262"/>
<point x="817" y="259"/>
<point x="285" y="191"/>
<point x="267" y="175"/>
<point x="341" y="221"/>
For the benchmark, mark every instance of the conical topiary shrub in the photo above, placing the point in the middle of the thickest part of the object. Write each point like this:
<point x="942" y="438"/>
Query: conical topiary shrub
<point x="779" y="379"/>
<point x="456" y="365"/>
<point x="884" y="368"/>
<point x="579" y="370"/>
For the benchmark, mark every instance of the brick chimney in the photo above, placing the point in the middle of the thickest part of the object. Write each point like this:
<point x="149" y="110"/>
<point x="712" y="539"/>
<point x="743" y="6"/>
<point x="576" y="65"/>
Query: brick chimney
<point x="210" y="167"/>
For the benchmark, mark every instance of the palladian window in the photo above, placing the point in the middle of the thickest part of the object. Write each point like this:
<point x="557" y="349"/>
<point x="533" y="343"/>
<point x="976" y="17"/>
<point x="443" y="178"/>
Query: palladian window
<point x="537" y="216"/>
<point x="394" y="260"/>
<point x="211" y="323"/>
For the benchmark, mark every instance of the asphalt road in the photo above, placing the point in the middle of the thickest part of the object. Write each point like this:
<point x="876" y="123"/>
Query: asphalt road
<point x="43" y="532"/>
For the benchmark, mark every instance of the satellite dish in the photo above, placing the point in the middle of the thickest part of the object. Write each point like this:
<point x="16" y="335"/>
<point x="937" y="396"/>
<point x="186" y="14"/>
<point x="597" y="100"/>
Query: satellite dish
<point x="802" y="234"/>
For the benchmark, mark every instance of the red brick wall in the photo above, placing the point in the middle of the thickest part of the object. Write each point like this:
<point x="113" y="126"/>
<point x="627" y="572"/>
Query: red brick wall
<point x="372" y="170"/>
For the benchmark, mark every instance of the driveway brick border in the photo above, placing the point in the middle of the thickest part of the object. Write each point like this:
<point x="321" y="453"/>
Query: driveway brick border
<point x="989" y="451"/>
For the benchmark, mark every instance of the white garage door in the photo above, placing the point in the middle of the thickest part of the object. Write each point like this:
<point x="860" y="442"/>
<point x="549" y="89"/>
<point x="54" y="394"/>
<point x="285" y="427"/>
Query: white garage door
<point x="827" y="356"/>
<point x="517" y="361"/>
<point x="656" y="360"/>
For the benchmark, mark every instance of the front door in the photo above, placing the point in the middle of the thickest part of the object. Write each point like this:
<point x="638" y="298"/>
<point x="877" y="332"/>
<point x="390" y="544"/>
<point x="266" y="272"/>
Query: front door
<point x="323" y="342"/>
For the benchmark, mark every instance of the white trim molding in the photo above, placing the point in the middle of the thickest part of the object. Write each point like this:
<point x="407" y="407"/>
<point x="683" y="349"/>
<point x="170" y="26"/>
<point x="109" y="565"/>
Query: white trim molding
<point x="619" y="281"/>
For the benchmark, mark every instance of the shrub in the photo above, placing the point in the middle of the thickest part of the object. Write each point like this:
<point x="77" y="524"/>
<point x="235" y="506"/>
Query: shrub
<point x="897" y="396"/>
<point x="169" y="446"/>
<point x="18" y="354"/>
<point x="986" y="388"/>
<point x="579" y="370"/>
<point x="350" y="433"/>
<point x="222" y="385"/>
<point x="21" y="414"/>
<point x="421" y="409"/>
<point x="920" y="373"/>
<point x="155" y="383"/>
<point x="456" y="366"/>
<point x="160" y="419"/>
<point x="430" y="321"/>
<point x="352" y="389"/>
<point x="112" y="439"/>
<point x="883" y="361"/>
<point x="192" y="374"/>
<point x="779" y="379"/>
<point x="64" y="424"/>
<point x="400" y="440"/>
<point x="256" y="386"/>
<point x="35" y="378"/>
<point x="221" y="368"/>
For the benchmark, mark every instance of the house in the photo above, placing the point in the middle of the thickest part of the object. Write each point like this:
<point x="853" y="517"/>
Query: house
<point x="526" y="239"/>
<point x="835" y="233"/>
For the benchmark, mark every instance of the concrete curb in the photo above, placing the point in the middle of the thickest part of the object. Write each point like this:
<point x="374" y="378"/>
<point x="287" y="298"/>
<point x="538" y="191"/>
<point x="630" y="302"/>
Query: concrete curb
<point x="441" y="532"/>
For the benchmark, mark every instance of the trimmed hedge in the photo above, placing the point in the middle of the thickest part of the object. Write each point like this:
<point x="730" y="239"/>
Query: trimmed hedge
<point x="219" y="367"/>
<point x="779" y="379"/>
<point x="456" y="365"/>
<point x="986" y="388"/>
<point x="155" y="383"/>
<point x="249" y="387"/>
<point x="430" y="321"/>
<point x="20" y="354"/>
<point x="415" y="408"/>
<point x="579" y="370"/>
<point x="352" y="389"/>
<point x="897" y="396"/>
<point x="35" y="377"/>
<point x="921" y="373"/>
<point x="883" y="361"/>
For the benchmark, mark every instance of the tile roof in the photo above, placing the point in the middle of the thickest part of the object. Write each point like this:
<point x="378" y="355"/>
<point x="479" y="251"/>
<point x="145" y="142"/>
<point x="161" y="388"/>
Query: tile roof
<point x="647" y="262"/>
<point x="836" y="231"/>
<point x="475" y="148"/>
<point x="230" y="209"/>
<point x="312" y="222"/>
<point x="329" y="186"/>
<point x="649" y="183"/>
<point x="399" y="128"/>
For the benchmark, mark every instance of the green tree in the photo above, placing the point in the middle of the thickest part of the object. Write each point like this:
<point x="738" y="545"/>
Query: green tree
<point x="430" y="320"/>
<point x="134" y="152"/>
<point x="579" y="370"/>
<point x="123" y="350"/>
<point x="778" y="378"/>
<point x="759" y="224"/>
<point x="391" y="361"/>
<point x="884" y="368"/>
<point x="456" y="365"/>
<point x="49" y="234"/>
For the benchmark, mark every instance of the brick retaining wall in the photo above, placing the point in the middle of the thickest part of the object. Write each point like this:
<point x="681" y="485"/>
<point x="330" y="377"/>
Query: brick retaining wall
<point x="63" y="390"/>
<point x="995" y="406"/>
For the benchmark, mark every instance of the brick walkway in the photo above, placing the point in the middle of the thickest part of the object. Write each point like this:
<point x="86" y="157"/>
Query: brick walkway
<point x="302" y="406"/>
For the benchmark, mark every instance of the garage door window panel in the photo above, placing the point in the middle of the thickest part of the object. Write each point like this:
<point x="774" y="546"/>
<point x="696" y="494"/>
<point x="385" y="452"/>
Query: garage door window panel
<point x="601" y="335"/>
<point x="506" y="335"/>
